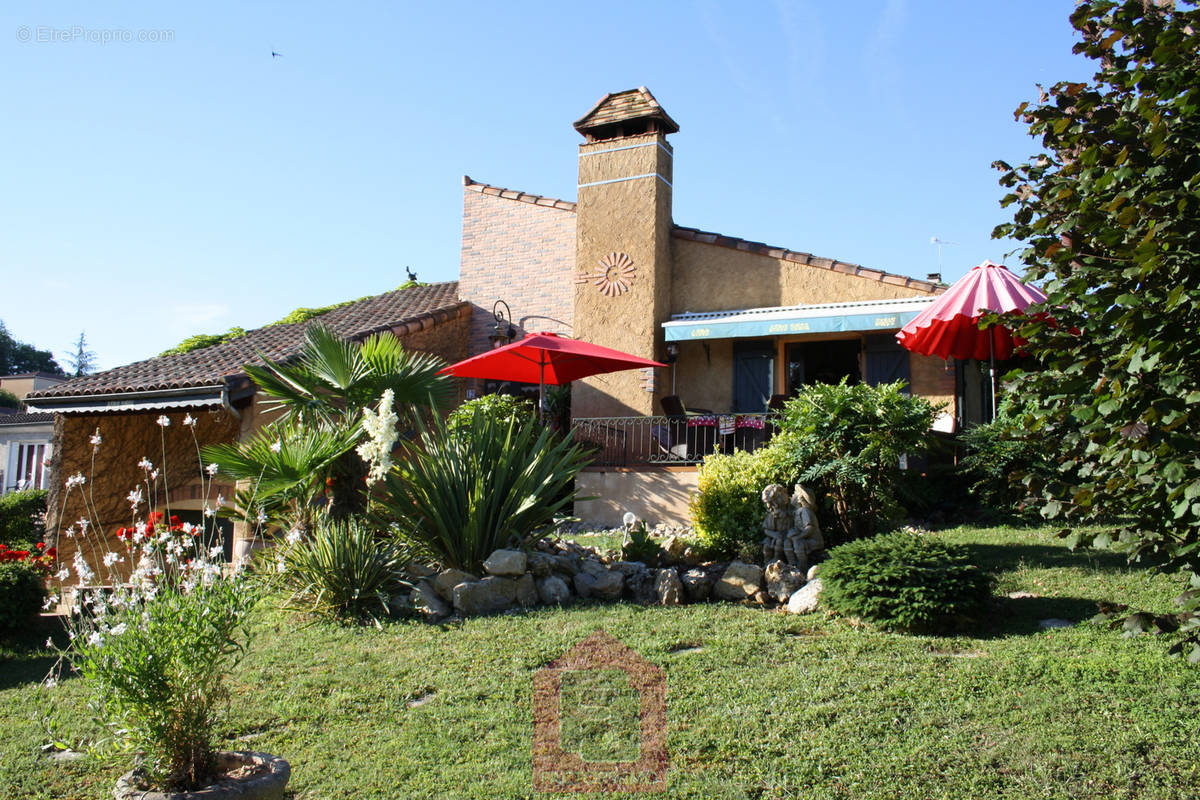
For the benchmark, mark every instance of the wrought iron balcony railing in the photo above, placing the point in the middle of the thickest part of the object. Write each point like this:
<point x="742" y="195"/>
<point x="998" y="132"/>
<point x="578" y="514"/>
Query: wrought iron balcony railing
<point x="667" y="440"/>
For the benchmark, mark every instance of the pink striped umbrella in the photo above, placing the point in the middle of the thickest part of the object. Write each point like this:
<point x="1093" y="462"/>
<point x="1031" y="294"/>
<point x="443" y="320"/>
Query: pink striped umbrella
<point x="949" y="328"/>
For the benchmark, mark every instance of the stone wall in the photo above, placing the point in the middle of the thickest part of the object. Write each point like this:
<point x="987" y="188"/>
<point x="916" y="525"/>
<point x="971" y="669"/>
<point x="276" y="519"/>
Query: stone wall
<point x="112" y="470"/>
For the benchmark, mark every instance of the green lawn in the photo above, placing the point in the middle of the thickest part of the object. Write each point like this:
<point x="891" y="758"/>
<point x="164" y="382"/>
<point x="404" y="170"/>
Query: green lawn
<point x="760" y="704"/>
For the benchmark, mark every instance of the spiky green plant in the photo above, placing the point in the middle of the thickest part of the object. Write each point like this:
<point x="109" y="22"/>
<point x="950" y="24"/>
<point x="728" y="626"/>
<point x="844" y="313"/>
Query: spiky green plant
<point x="460" y="497"/>
<point x="344" y="571"/>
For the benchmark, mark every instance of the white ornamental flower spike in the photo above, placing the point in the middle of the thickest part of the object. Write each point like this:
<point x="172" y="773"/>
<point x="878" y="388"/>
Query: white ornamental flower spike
<point x="145" y="464"/>
<point x="276" y="446"/>
<point x="95" y="440"/>
<point x="189" y="421"/>
<point x="211" y="469"/>
<point x="164" y="421"/>
<point x="380" y="428"/>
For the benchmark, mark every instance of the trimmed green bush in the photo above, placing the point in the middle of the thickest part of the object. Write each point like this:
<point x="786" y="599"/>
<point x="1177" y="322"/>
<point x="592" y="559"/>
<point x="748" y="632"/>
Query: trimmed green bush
<point x="727" y="509"/>
<point x="502" y="408"/>
<point x="22" y="590"/>
<point x="999" y="454"/>
<point x="905" y="582"/>
<point x="20" y="518"/>
<point x="344" y="571"/>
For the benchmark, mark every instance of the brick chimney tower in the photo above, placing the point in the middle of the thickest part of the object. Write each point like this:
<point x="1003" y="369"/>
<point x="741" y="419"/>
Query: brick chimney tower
<point x="623" y="247"/>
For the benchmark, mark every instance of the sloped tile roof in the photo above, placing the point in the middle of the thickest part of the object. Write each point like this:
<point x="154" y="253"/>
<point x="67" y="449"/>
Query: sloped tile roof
<point x="617" y="107"/>
<point x="513" y="194"/>
<point x="24" y="418"/>
<point x="210" y="366"/>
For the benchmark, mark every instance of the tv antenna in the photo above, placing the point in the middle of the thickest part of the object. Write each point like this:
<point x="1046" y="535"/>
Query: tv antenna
<point x="940" y="244"/>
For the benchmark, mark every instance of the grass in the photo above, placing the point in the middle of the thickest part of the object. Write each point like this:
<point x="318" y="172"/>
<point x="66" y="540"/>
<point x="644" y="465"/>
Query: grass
<point x="760" y="705"/>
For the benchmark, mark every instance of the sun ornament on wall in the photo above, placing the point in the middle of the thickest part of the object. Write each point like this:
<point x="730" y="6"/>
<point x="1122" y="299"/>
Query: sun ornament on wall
<point x="614" y="276"/>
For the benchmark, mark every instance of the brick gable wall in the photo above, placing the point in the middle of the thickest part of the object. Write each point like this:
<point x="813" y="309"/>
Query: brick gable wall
<point x="521" y="253"/>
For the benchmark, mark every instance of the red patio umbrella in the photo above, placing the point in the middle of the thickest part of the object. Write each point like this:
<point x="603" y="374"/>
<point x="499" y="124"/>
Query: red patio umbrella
<point x="546" y="358"/>
<point x="949" y="328"/>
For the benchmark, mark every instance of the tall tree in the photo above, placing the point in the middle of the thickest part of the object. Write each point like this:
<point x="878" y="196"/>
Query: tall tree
<point x="83" y="361"/>
<point x="1111" y="215"/>
<point x="17" y="357"/>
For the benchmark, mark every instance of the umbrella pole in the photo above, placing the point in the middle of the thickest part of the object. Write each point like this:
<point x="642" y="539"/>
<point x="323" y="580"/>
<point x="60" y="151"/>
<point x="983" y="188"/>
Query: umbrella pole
<point x="992" y="368"/>
<point x="542" y="390"/>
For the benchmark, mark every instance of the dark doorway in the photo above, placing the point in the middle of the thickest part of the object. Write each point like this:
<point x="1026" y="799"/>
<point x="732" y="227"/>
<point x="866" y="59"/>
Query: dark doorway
<point x="886" y="361"/>
<point x="753" y="376"/>
<point x="823" y="362"/>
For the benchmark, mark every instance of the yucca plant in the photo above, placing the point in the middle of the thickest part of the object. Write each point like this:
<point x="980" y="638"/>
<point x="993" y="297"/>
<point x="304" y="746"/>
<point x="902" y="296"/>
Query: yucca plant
<point x="459" y="497"/>
<point x="344" y="571"/>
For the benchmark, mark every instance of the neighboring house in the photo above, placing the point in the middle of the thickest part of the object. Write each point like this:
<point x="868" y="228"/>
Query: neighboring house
<point x="124" y="403"/>
<point x="26" y="440"/>
<point x="740" y="323"/>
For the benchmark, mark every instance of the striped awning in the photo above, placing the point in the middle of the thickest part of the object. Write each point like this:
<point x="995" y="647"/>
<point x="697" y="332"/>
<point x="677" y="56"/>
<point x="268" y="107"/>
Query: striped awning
<point x="869" y="315"/>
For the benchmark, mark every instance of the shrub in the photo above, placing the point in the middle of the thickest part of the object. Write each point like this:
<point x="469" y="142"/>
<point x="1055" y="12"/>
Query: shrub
<point x="8" y="399"/>
<point x="21" y="516"/>
<point x="999" y="453"/>
<point x="22" y="590"/>
<point x="727" y="509"/>
<point x="459" y="497"/>
<point x="849" y="440"/>
<point x="344" y="571"/>
<point x="901" y="581"/>
<point x="501" y="408"/>
<point x="157" y="661"/>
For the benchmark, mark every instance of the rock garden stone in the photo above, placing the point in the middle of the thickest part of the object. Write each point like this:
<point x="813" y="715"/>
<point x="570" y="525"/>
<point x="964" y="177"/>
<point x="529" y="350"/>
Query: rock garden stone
<point x="739" y="582"/>
<point x="541" y="564"/>
<point x="426" y="599"/>
<point x="668" y="589"/>
<point x="485" y="596"/>
<point x="445" y="581"/>
<point x="629" y="568"/>
<point x="553" y="590"/>
<point x="603" y="584"/>
<point x="506" y="563"/>
<point x="526" y="591"/>
<point x="783" y="580"/>
<point x="697" y="584"/>
<point x="812" y="572"/>
<point x="806" y="599"/>
<point x="640" y="587"/>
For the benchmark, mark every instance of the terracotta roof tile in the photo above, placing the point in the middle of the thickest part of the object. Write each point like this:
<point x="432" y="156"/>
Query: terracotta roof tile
<point x="616" y="107"/>
<point x="706" y="237"/>
<point x="210" y="366"/>
<point x="513" y="194"/>
<point x="23" y="418"/>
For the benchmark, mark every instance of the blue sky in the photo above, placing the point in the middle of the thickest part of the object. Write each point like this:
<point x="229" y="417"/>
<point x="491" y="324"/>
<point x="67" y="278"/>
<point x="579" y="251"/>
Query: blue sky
<point x="156" y="189"/>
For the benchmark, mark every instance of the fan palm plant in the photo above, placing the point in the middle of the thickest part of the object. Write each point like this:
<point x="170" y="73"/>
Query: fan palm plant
<point x="319" y="397"/>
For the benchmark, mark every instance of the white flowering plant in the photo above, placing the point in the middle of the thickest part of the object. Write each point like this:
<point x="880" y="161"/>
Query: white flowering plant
<point x="158" y="620"/>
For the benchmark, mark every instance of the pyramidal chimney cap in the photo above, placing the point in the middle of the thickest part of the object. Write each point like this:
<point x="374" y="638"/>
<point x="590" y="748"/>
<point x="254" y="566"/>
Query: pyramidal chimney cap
<point x="628" y="113"/>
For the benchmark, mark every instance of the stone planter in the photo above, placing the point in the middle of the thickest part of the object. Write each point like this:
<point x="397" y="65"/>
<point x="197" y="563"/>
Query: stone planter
<point x="265" y="778"/>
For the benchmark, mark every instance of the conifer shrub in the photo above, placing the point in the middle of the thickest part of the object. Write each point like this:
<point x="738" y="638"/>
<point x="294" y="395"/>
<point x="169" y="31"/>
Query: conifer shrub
<point x="905" y="582"/>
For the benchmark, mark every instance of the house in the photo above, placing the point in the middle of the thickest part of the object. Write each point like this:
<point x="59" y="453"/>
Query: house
<point x="738" y="322"/>
<point x="210" y="384"/>
<point x="26" y="440"/>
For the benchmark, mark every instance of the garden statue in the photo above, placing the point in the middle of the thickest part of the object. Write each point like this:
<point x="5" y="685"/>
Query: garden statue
<point x="792" y="533"/>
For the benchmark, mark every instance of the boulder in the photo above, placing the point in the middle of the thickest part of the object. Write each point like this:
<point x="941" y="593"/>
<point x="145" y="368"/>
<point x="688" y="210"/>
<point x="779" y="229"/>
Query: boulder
<point x="806" y="599"/>
<point x="415" y="569"/>
<point x="485" y="596"/>
<point x="592" y="566"/>
<point x="506" y="563"/>
<point x="446" y="580"/>
<point x="628" y="568"/>
<point x="567" y="564"/>
<point x="697" y="584"/>
<point x="812" y="572"/>
<point x="640" y="587"/>
<point x="553" y="590"/>
<point x="541" y="564"/>
<point x="604" y="585"/>
<point x="783" y="580"/>
<point x="426" y="599"/>
<point x="668" y="589"/>
<point x="739" y="582"/>
<point x="674" y="547"/>
<point x="526" y="591"/>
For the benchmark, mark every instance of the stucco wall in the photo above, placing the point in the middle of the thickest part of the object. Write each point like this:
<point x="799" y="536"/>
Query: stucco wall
<point x="520" y="252"/>
<point x="657" y="495"/>
<point x="933" y="379"/>
<point x="711" y="277"/>
<point x="630" y="216"/>
<point x="704" y="374"/>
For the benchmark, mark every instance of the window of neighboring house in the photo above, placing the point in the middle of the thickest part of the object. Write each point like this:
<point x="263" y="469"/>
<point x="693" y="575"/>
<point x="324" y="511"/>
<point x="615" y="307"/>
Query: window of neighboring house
<point x="26" y="466"/>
